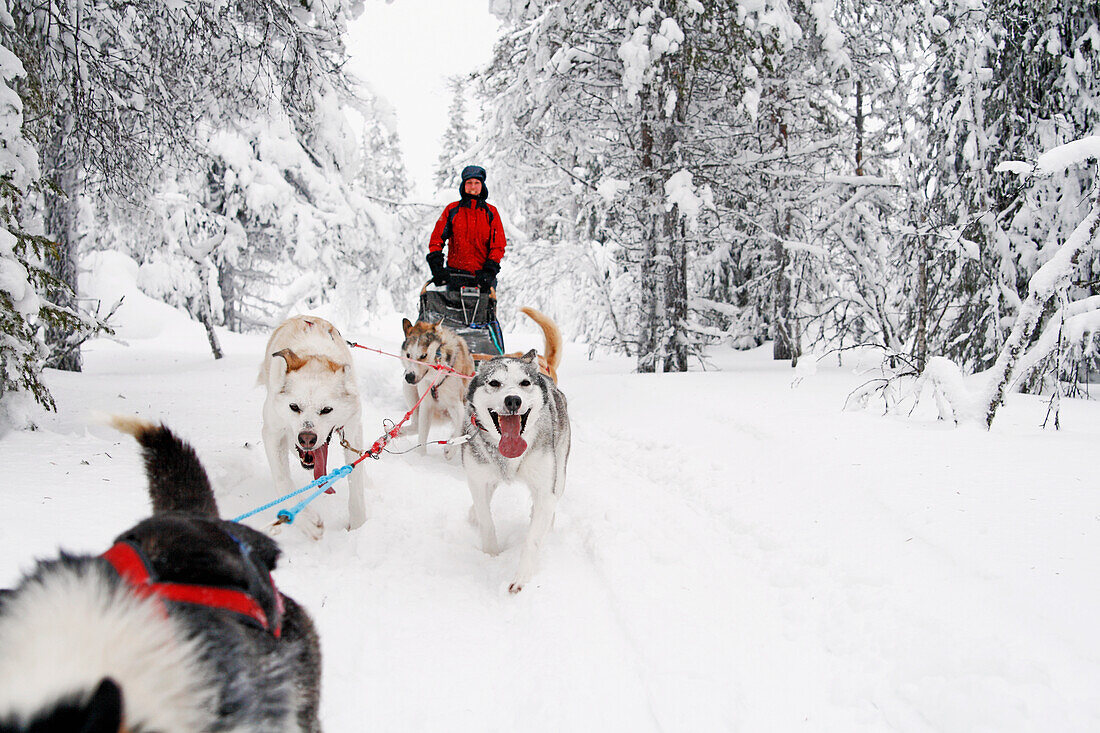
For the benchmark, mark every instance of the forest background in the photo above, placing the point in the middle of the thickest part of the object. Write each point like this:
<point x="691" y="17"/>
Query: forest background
<point x="677" y="176"/>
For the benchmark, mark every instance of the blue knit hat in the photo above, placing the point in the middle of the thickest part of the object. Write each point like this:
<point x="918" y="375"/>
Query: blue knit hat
<point x="473" y="171"/>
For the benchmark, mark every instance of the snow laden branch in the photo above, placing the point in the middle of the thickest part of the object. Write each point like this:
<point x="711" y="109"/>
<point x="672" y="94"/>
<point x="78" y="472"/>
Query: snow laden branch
<point x="1044" y="285"/>
<point x="1072" y="322"/>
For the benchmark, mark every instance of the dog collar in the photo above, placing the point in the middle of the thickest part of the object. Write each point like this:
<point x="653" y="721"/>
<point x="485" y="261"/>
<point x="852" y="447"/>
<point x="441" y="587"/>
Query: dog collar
<point x="476" y="424"/>
<point x="128" y="562"/>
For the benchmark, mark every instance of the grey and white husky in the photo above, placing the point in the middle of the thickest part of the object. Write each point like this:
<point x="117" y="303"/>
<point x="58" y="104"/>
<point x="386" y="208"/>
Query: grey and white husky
<point x="177" y="628"/>
<point x="518" y="428"/>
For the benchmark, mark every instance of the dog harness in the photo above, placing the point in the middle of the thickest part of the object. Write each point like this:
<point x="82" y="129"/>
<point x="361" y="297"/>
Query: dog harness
<point x="133" y="568"/>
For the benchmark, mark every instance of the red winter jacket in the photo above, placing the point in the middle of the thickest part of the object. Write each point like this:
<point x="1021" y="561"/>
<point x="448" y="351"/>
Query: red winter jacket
<point x="475" y="235"/>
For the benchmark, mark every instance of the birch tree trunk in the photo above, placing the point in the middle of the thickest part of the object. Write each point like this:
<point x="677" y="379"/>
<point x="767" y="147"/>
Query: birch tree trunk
<point x="61" y="227"/>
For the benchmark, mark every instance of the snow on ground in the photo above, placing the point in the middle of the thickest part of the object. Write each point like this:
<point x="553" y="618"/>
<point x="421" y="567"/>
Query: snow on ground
<point x="732" y="552"/>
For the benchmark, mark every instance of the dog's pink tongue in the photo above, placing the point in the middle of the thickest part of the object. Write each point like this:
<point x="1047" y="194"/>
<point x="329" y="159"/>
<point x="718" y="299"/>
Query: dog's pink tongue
<point x="320" y="465"/>
<point x="511" y="443"/>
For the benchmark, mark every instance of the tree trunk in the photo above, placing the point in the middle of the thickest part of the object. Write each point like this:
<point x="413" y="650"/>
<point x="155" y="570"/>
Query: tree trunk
<point x="676" y="347"/>
<point x="61" y="227"/>
<point x="649" y="317"/>
<point x="205" y="312"/>
<point x="663" y="343"/>
<point x="859" y="128"/>
<point x="786" y="344"/>
<point x="921" y="345"/>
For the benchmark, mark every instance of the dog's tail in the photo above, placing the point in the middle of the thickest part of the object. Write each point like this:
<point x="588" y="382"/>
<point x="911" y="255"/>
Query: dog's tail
<point x="550" y="334"/>
<point x="177" y="480"/>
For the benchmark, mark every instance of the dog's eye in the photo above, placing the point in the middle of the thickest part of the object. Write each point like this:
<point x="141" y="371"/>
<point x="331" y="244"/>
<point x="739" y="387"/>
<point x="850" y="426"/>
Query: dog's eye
<point x="294" y="407"/>
<point x="525" y="383"/>
<point x="494" y="383"/>
<point x="423" y="356"/>
<point x="326" y="410"/>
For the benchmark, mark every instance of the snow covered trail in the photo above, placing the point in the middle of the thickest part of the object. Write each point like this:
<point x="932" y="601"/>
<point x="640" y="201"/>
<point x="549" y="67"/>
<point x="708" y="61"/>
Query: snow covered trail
<point x="731" y="552"/>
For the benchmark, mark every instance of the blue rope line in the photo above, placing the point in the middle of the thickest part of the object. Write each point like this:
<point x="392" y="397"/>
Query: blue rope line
<point x="323" y="481"/>
<point x="289" y="515"/>
<point x="493" y="338"/>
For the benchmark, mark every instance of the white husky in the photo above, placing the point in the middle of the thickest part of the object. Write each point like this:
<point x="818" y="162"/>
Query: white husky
<point x="311" y="394"/>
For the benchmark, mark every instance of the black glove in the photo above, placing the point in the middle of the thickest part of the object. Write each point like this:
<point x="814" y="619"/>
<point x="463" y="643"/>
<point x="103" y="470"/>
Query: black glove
<point x="439" y="270"/>
<point x="487" y="275"/>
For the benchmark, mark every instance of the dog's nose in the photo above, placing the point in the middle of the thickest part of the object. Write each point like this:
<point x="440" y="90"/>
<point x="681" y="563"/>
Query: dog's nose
<point x="512" y="403"/>
<point x="410" y="377"/>
<point x="307" y="439"/>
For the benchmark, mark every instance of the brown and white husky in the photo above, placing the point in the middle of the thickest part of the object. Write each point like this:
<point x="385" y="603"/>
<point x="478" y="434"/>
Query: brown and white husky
<point x="312" y="393"/>
<point x="433" y="343"/>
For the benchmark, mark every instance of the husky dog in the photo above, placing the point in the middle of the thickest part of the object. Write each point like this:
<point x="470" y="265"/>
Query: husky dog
<point x="518" y="428"/>
<point x="311" y="393"/>
<point x="178" y="628"/>
<point x="434" y="343"/>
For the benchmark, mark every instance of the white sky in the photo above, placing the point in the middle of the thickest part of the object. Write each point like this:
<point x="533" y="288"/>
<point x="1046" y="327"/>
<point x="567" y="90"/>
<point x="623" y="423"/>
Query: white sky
<point x="404" y="51"/>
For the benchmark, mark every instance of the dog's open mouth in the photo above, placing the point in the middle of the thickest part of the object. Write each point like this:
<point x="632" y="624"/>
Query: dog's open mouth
<point x="510" y="428"/>
<point x="316" y="460"/>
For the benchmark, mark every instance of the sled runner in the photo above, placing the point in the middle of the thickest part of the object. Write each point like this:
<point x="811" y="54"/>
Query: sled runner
<point x="470" y="312"/>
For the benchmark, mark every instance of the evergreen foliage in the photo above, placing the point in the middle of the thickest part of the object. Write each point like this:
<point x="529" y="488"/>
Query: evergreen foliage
<point x="456" y="139"/>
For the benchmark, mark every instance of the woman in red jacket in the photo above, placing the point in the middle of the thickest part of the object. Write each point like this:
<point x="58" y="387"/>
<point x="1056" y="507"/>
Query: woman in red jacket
<point x="471" y="230"/>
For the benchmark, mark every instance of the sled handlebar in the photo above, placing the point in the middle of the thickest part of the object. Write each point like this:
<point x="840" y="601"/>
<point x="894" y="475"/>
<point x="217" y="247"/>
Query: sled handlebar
<point x="492" y="291"/>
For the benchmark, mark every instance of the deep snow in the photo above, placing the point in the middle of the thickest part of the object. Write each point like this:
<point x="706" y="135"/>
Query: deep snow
<point x="733" y="551"/>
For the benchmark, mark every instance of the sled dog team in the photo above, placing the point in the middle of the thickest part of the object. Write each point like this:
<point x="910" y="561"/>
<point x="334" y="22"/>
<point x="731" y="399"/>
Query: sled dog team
<point x="178" y="627"/>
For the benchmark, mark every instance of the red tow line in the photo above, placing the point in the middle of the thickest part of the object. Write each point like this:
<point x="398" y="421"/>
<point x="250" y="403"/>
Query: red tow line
<point x="381" y="443"/>
<point x="437" y="367"/>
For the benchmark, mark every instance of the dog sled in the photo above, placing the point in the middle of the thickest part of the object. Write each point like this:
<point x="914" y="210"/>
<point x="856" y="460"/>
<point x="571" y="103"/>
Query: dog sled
<point x="470" y="311"/>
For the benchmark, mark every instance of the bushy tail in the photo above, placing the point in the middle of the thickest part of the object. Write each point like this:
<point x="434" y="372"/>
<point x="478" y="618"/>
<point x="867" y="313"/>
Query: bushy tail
<point x="177" y="480"/>
<point x="551" y="336"/>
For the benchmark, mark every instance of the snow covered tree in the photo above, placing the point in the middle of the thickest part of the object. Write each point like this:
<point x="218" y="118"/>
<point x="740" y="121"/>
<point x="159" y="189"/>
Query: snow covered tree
<point x="24" y="278"/>
<point x="125" y="85"/>
<point x="456" y="139"/>
<point x="639" y="140"/>
<point x="1046" y="93"/>
<point x="1050" y="297"/>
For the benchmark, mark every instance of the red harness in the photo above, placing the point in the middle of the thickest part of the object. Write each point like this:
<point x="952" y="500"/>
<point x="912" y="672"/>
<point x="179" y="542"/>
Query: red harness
<point x="132" y="568"/>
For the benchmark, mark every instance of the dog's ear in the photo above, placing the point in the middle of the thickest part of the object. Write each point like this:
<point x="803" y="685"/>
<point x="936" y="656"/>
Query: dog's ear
<point x="292" y="360"/>
<point x="349" y="380"/>
<point x="439" y="323"/>
<point x="406" y="325"/>
<point x="262" y="548"/>
<point x="276" y="376"/>
<point x="529" y="356"/>
<point x="103" y="712"/>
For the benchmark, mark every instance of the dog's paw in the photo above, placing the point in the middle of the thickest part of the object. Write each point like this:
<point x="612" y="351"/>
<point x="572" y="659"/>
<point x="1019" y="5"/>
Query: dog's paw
<point x="490" y="548"/>
<point x="310" y="523"/>
<point x="515" y="587"/>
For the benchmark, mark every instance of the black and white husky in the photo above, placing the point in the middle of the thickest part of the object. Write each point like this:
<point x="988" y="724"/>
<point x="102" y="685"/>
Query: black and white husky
<point x="518" y="428"/>
<point x="177" y="628"/>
